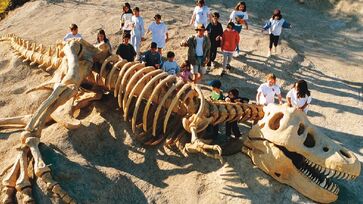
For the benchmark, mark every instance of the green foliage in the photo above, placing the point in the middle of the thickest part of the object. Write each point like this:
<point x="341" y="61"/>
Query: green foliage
<point x="3" y="5"/>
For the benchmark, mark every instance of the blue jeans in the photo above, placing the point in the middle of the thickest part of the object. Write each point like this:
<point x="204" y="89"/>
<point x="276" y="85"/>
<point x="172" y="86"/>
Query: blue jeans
<point x="238" y="29"/>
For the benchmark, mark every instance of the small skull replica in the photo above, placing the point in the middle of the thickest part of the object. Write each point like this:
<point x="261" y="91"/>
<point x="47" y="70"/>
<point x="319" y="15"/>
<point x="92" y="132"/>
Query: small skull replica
<point x="285" y="145"/>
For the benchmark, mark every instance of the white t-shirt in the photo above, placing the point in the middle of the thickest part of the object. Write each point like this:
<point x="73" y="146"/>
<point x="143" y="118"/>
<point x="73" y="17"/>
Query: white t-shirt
<point x="126" y="18"/>
<point x="71" y="36"/>
<point x="201" y="15"/>
<point x="268" y="93"/>
<point x="138" y="26"/>
<point x="298" y="102"/>
<point x="199" y="48"/>
<point x="276" y="26"/>
<point x="158" y="33"/>
<point x="240" y="14"/>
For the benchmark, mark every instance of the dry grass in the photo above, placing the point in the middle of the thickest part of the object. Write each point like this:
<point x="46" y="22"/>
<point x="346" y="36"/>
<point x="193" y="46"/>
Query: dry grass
<point x="3" y="5"/>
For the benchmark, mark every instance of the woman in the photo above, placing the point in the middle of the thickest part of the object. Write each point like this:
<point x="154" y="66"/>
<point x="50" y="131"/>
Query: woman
<point x="239" y="17"/>
<point x="299" y="96"/>
<point x="215" y="32"/>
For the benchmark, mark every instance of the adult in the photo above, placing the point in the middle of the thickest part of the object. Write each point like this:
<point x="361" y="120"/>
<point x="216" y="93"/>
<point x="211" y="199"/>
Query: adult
<point x="201" y="14"/>
<point x="126" y="19"/>
<point x="126" y="50"/>
<point x="159" y="32"/>
<point x="198" y="52"/>
<point x="73" y="34"/>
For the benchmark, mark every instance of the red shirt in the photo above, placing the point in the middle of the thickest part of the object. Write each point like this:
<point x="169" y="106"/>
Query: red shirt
<point x="230" y="40"/>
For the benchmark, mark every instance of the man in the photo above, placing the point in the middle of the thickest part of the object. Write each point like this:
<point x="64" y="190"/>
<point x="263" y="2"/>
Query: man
<point x="198" y="52"/>
<point x="73" y="34"/>
<point x="126" y="50"/>
<point x="159" y="32"/>
<point x="152" y="57"/>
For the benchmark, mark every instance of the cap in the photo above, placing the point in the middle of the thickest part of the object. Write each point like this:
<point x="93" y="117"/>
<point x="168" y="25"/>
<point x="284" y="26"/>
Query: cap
<point x="154" y="45"/>
<point x="216" y="84"/>
<point x="200" y="27"/>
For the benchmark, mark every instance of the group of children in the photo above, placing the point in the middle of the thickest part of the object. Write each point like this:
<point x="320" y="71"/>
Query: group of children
<point x="298" y="97"/>
<point x="202" y="51"/>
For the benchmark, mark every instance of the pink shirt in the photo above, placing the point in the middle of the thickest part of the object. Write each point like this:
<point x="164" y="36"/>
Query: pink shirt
<point x="185" y="75"/>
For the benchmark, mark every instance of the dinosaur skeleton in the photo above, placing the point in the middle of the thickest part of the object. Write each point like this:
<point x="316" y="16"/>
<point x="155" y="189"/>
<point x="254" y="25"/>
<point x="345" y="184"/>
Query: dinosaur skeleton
<point x="160" y="108"/>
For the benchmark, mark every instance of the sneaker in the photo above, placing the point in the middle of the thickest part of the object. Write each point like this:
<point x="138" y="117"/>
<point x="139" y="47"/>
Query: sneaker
<point x="236" y="54"/>
<point x="213" y="65"/>
<point x="269" y="54"/>
<point x="208" y="69"/>
<point x="228" y="67"/>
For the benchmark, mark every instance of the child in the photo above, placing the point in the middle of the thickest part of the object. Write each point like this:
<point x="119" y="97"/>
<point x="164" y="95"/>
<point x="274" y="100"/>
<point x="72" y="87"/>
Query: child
<point x="73" y="34"/>
<point x="159" y="32"/>
<point x="152" y="57"/>
<point x="102" y="39"/>
<point x="215" y="32"/>
<point x="267" y="91"/>
<point x="216" y="93"/>
<point x="239" y="17"/>
<point x="170" y="66"/>
<point x="201" y="14"/>
<point x="233" y="126"/>
<point x="274" y="26"/>
<point x="230" y="40"/>
<point x="125" y="50"/>
<point x="198" y="52"/>
<point x="299" y="96"/>
<point x="185" y="73"/>
<point x="126" y="19"/>
<point x="138" y="31"/>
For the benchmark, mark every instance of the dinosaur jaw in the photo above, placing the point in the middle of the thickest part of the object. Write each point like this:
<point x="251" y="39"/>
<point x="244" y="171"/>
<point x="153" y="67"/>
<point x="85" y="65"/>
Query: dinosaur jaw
<point x="310" y="179"/>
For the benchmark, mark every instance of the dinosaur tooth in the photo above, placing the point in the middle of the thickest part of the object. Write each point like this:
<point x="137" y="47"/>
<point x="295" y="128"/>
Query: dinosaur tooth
<point x="323" y="183"/>
<point x="332" y="172"/>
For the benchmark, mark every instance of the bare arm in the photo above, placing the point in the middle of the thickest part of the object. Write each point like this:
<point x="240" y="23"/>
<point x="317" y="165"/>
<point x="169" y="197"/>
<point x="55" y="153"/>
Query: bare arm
<point x="289" y="101"/>
<point x="167" y="37"/>
<point x="192" y="20"/>
<point x="280" y="98"/>
<point x="258" y="97"/>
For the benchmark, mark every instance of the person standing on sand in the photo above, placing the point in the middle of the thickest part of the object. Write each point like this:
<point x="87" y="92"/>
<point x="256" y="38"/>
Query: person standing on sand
<point x="198" y="52"/>
<point x="239" y="17"/>
<point x="138" y="31"/>
<point x="215" y="32"/>
<point x="201" y="14"/>
<point x="230" y="40"/>
<point x="159" y="32"/>
<point x="73" y="34"/>
<point x="299" y="96"/>
<point x="126" y="19"/>
<point x="267" y="91"/>
<point x="274" y="26"/>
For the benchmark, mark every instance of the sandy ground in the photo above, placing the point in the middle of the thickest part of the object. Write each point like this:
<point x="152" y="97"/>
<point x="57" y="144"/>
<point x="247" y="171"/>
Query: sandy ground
<point x="101" y="163"/>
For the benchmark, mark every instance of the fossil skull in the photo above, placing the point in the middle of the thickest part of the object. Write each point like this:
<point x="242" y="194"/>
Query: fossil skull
<point x="285" y="145"/>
